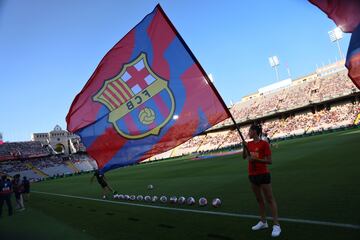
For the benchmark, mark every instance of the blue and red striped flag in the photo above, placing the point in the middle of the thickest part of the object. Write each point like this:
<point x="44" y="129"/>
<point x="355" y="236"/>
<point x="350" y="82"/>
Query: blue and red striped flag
<point x="346" y="15"/>
<point x="147" y="95"/>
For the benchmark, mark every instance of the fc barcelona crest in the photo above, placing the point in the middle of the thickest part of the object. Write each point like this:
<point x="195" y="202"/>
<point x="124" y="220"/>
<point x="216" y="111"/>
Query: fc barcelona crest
<point x="140" y="102"/>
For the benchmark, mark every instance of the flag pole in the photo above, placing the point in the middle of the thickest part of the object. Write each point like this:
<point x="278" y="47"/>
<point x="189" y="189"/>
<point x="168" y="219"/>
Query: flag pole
<point x="204" y="73"/>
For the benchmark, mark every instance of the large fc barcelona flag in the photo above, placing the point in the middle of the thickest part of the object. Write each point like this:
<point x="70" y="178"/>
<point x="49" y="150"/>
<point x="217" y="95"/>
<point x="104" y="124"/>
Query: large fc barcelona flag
<point x="147" y="95"/>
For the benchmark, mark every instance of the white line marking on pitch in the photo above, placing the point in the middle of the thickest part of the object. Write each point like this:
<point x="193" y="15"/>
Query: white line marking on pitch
<point x="314" y="222"/>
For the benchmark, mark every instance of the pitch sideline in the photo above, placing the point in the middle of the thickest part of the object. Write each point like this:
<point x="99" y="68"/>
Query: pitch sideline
<point x="313" y="222"/>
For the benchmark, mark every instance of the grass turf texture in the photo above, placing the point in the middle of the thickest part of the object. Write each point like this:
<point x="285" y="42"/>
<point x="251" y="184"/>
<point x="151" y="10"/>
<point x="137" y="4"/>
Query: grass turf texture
<point x="314" y="178"/>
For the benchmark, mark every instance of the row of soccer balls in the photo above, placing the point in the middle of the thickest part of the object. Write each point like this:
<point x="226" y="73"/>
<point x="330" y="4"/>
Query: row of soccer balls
<point x="216" y="202"/>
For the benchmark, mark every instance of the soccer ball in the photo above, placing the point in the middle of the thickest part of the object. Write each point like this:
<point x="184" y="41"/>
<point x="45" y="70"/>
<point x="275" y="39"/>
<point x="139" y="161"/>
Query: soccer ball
<point x="216" y="202"/>
<point x="150" y="187"/>
<point x="116" y="196"/>
<point x="173" y="199"/>
<point x="147" y="198"/>
<point x="163" y="199"/>
<point x="154" y="199"/>
<point x="203" y="202"/>
<point x="190" y="201"/>
<point x="181" y="200"/>
<point x="147" y="116"/>
<point x="139" y="198"/>
<point x="126" y="197"/>
<point x="121" y="196"/>
<point x="132" y="197"/>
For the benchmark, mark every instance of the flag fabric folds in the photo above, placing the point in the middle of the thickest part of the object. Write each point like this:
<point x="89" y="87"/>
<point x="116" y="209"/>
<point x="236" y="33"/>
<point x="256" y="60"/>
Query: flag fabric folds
<point x="346" y="15"/>
<point x="148" y="95"/>
<point x="353" y="57"/>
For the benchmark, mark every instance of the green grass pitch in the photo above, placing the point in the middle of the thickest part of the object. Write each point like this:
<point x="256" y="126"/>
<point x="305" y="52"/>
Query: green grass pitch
<point x="314" y="178"/>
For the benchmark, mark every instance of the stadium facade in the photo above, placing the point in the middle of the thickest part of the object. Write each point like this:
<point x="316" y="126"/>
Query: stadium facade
<point x="59" y="140"/>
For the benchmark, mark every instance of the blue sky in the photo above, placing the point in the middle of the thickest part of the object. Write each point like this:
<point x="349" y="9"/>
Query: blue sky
<point x="49" y="48"/>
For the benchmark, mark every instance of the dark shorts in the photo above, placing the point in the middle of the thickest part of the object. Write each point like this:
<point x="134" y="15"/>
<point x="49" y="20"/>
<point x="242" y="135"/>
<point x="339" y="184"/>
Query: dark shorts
<point x="17" y="195"/>
<point x="260" y="179"/>
<point x="103" y="184"/>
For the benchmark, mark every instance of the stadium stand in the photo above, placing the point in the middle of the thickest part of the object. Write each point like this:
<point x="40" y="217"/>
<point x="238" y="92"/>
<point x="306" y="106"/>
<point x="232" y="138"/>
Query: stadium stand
<point x="38" y="168"/>
<point x="83" y="162"/>
<point x="301" y="93"/>
<point x="28" y="149"/>
<point x="52" y="166"/>
<point x="324" y="100"/>
<point x="13" y="167"/>
<point x="321" y="101"/>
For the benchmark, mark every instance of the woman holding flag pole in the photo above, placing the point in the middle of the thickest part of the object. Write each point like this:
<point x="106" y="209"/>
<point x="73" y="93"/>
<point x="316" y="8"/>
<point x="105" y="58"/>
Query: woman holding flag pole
<point x="258" y="153"/>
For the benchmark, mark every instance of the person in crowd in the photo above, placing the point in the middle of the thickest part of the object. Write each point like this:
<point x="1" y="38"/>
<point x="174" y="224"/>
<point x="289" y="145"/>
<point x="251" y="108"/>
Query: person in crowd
<point x="18" y="189"/>
<point x="100" y="177"/>
<point x="26" y="187"/>
<point x="5" y="194"/>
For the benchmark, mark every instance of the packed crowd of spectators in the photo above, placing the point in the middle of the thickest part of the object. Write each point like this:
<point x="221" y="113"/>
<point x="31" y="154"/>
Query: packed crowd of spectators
<point x="335" y="116"/>
<point x="47" y="162"/>
<point x="83" y="162"/>
<point x="16" y="150"/>
<point x="328" y="118"/>
<point x="49" y="166"/>
<point x="334" y="85"/>
<point x="14" y="166"/>
<point x="294" y="96"/>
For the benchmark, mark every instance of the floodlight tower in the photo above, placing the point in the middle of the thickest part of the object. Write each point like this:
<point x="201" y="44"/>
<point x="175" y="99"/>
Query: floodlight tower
<point x="274" y="63"/>
<point x="335" y="35"/>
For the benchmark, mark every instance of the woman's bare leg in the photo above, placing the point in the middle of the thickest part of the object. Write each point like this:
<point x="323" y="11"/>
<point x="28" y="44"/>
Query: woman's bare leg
<point x="270" y="199"/>
<point x="259" y="198"/>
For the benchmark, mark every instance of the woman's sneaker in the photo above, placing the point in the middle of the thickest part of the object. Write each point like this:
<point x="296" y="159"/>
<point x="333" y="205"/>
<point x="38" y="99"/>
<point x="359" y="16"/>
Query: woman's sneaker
<point x="260" y="225"/>
<point x="276" y="231"/>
